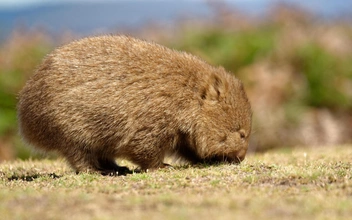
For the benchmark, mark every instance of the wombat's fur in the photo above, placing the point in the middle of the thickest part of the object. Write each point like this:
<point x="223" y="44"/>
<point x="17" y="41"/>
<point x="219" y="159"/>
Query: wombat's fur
<point x="109" y="97"/>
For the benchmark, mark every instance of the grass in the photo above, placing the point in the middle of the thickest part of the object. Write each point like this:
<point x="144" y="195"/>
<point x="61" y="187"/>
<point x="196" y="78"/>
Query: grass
<point x="313" y="183"/>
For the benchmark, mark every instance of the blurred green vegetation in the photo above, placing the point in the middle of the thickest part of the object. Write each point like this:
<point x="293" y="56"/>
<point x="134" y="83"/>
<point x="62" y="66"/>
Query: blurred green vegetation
<point x="325" y="75"/>
<point x="232" y="50"/>
<point x="19" y="57"/>
<point x="290" y="73"/>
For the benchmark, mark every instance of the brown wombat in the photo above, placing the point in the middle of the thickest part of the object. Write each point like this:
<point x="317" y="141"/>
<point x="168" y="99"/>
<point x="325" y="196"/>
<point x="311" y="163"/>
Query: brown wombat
<point x="108" y="97"/>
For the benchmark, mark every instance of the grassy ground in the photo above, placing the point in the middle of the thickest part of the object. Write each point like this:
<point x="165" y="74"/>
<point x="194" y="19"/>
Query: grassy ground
<point x="286" y="184"/>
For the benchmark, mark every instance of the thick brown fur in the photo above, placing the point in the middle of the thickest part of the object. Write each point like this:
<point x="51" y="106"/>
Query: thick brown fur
<point x="102" y="98"/>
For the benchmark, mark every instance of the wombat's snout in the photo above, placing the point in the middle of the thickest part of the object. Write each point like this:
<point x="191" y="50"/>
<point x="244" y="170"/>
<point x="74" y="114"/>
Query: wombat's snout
<point x="235" y="158"/>
<point x="241" y="154"/>
<point x="223" y="158"/>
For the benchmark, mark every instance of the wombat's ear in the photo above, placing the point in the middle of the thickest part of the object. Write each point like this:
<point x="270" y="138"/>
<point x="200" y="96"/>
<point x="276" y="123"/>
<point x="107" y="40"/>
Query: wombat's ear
<point x="213" y="90"/>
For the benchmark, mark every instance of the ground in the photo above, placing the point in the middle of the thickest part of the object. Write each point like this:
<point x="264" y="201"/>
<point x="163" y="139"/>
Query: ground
<point x="300" y="183"/>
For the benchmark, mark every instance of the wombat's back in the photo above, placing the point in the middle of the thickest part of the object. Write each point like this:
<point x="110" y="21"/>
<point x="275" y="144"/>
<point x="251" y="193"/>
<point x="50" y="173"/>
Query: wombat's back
<point x="111" y="95"/>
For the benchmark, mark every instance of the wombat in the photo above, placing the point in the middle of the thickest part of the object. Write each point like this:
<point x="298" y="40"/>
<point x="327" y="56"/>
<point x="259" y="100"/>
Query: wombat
<point x="107" y="97"/>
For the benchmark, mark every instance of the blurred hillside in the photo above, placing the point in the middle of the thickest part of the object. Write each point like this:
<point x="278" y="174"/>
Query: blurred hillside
<point x="58" y="16"/>
<point x="296" y="69"/>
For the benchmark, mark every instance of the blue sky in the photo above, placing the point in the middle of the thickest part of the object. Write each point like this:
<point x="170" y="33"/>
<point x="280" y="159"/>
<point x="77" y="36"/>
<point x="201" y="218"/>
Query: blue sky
<point x="14" y="3"/>
<point x="323" y="7"/>
<point x="24" y="3"/>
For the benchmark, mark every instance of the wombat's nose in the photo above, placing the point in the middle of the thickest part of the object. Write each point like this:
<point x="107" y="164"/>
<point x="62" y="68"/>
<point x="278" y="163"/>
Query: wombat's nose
<point x="235" y="159"/>
<point x="241" y="158"/>
<point x="241" y="154"/>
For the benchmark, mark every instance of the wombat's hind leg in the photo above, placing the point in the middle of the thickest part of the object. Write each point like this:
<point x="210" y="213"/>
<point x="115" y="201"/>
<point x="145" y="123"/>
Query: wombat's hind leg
<point x="90" y="161"/>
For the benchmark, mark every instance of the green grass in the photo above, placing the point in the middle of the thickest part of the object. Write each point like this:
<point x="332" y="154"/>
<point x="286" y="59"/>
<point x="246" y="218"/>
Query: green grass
<point x="313" y="183"/>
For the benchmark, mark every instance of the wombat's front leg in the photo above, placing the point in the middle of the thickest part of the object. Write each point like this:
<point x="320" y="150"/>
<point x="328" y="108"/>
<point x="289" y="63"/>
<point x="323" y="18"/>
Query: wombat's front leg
<point x="109" y="167"/>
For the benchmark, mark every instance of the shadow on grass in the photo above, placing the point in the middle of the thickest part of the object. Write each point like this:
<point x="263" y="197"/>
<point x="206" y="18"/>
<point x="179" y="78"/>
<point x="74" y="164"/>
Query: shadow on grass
<point x="203" y="165"/>
<point x="29" y="178"/>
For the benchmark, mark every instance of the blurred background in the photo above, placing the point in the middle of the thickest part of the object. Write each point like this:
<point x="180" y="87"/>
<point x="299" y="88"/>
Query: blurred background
<point x="294" y="57"/>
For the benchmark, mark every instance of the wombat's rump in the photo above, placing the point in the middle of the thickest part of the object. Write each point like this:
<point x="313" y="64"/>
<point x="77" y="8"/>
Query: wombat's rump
<point x="102" y="98"/>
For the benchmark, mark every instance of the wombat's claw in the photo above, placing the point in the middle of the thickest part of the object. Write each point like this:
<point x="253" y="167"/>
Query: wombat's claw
<point x="167" y="166"/>
<point x="123" y="171"/>
<point x="109" y="173"/>
<point x="138" y="170"/>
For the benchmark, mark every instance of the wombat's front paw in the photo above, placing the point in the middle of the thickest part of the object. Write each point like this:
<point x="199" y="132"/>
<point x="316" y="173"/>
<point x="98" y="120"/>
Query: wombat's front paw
<point x="120" y="171"/>
<point x="167" y="166"/>
<point x="162" y="166"/>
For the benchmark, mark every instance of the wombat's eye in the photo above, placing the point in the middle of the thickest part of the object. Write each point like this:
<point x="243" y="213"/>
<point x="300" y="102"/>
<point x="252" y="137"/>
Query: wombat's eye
<point x="242" y="134"/>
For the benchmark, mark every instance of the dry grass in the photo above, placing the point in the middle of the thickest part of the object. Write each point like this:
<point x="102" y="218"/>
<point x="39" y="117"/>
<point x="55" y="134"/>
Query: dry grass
<point x="290" y="184"/>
